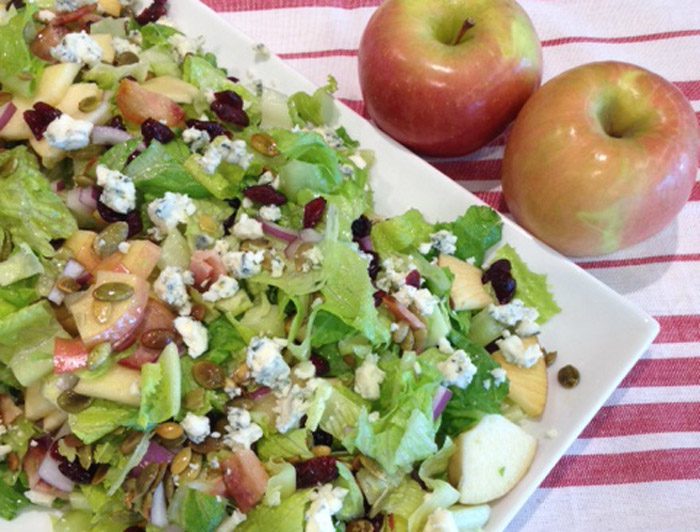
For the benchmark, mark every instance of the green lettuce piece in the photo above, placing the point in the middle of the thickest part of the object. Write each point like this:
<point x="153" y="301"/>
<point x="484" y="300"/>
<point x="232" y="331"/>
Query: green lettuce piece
<point x="25" y="329"/>
<point x="17" y="437"/>
<point x="401" y="234"/>
<point x="288" y="516"/>
<point x="531" y="287"/>
<point x="264" y="319"/>
<point x="476" y="230"/>
<point x="17" y="295"/>
<point x="354" y="502"/>
<point x="336" y="409"/>
<point x="196" y="510"/>
<point x="154" y="34"/>
<point x="108" y="76"/>
<point x="200" y="401"/>
<point x="33" y="361"/>
<point x="157" y="171"/>
<point x="161" y="61"/>
<point x="293" y="283"/>
<point x="160" y="389"/>
<point x="105" y="510"/>
<point x="101" y="418"/>
<point x="29" y="209"/>
<point x="213" y="209"/>
<point x="20" y="69"/>
<point x="437" y="279"/>
<point x="22" y="263"/>
<point x="317" y="108"/>
<point x="116" y="27"/>
<point x="118" y="472"/>
<point x="467" y="406"/>
<point x="402" y="502"/>
<point x="116" y="157"/>
<point x="328" y="329"/>
<point x="284" y="446"/>
<point x="11" y="501"/>
<point x="224" y="342"/>
<point x="348" y="293"/>
<point x="282" y="482"/>
<point x="216" y="184"/>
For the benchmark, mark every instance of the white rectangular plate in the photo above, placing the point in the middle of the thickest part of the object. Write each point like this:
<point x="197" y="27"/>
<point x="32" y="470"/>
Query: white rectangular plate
<point x="598" y="331"/>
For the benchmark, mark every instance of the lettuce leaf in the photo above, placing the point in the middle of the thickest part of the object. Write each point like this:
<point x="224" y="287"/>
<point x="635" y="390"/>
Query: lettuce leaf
<point x="328" y="329"/>
<point x="317" y="108"/>
<point x="154" y="34"/>
<point x="336" y="409"/>
<point x="476" y="230"/>
<point x="11" y="501"/>
<point x="288" y="516"/>
<point x="224" y="342"/>
<point x="25" y="329"/>
<point x="22" y="263"/>
<point x="20" y="69"/>
<point x="101" y="418"/>
<point x="17" y="295"/>
<point x="284" y="446"/>
<point x="531" y="287"/>
<point x="354" y="501"/>
<point x="160" y="389"/>
<point x="196" y="510"/>
<point x="401" y="234"/>
<point x="29" y="209"/>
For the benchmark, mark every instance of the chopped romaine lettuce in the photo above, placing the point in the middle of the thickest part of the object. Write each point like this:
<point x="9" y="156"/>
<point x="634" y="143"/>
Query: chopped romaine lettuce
<point x="353" y="503"/>
<point x="195" y="510"/>
<point x="101" y="418"/>
<point x="11" y="501"/>
<point x="22" y="263"/>
<point x="17" y="295"/>
<point x="20" y="69"/>
<point x="401" y="234"/>
<point x="224" y="342"/>
<point x="154" y="34"/>
<point x="318" y="108"/>
<point x="476" y="230"/>
<point x="25" y="329"/>
<point x="284" y="446"/>
<point x="160" y="388"/>
<point x="288" y="516"/>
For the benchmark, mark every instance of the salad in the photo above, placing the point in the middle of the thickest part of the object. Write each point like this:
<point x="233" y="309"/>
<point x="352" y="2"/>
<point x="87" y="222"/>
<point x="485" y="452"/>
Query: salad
<point x="204" y="325"/>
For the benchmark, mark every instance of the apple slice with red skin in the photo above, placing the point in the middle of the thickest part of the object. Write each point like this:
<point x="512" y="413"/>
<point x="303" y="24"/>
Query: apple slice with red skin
<point x="157" y="316"/>
<point x="140" y="260"/>
<point x="245" y="479"/>
<point x="206" y="267"/>
<point x="69" y="355"/>
<point x="123" y="316"/>
<point x="137" y="104"/>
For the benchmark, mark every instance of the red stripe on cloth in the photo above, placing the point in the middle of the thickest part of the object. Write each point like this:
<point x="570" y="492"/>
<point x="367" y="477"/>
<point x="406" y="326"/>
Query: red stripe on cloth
<point x="626" y="420"/>
<point x="622" y="40"/>
<point x="470" y="170"/>
<point x="356" y="105"/>
<point x="315" y="54"/>
<point x="690" y="89"/>
<point x="678" y="329"/>
<point x="665" y="372"/>
<point x="639" y="261"/>
<point x="626" y="468"/>
<point x="260" y="5"/>
<point x="695" y="193"/>
<point x="494" y="199"/>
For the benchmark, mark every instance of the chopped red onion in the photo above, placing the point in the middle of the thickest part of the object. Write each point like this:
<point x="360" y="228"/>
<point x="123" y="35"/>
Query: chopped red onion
<point x="155" y="454"/>
<point x="108" y="136"/>
<point x="442" y="397"/>
<point x="279" y="232"/>
<point x="7" y="113"/>
<point x="58" y="186"/>
<point x="259" y="393"/>
<point x="365" y="244"/>
<point x="81" y="201"/>
<point x="49" y="473"/>
<point x="401" y="312"/>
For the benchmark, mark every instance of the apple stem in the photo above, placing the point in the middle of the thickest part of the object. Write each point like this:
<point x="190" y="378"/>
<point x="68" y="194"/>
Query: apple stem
<point x="466" y="26"/>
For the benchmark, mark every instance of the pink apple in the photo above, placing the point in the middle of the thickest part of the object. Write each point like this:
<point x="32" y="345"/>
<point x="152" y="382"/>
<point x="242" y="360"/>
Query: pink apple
<point x="600" y="158"/>
<point x="445" y="77"/>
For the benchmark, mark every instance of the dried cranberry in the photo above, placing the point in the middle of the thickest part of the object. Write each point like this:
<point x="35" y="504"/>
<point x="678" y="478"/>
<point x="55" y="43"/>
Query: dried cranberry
<point x="39" y="118"/>
<point x="109" y="215"/>
<point x="321" y="364"/>
<point x="501" y="265"/>
<point x="153" y="12"/>
<point x="373" y="267"/>
<point x="213" y="129"/>
<point x="321" y="437"/>
<point x="133" y="220"/>
<point x="153" y="130"/>
<point x="503" y="283"/>
<point x="379" y="296"/>
<point x="233" y="78"/>
<point x="313" y="212"/>
<point x="491" y="347"/>
<point x="316" y="471"/>
<point x="229" y="114"/>
<point x="377" y="522"/>
<point x="413" y="279"/>
<point x="361" y="227"/>
<point x="19" y="4"/>
<point x="265" y="195"/>
<point x="76" y="472"/>
<point x="116" y="122"/>
<point x="230" y="98"/>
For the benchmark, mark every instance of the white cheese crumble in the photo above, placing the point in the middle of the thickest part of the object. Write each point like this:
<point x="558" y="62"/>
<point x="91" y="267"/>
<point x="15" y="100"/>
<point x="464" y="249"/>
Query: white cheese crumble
<point x="516" y="313"/>
<point x="292" y="404"/>
<point x="241" y="432"/>
<point x="224" y="149"/>
<point x="196" y="427"/>
<point x="441" y="520"/>
<point x="421" y="298"/>
<point x="170" y="210"/>
<point x="261" y="51"/>
<point x="515" y="351"/>
<point x="458" y="370"/>
<point x="271" y="213"/>
<point x="194" y="334"/>
<point x="326" y="501"/>
<point x="182" y="46"/>
<point x="393" y="274"/>
<point x="268" y="178"/>
<point x="368" y="378"/>
<point x="67" y="133"/>
<point x="265" y="361"/>
<point x="77" y="48"/>
<point x="305" y="370"/>
<point x="122" y="45"/>
<point x="124" y="247"/>
<point x="445" y="347"/>
<point x="222" y="288"/>
<point x="313" y="257"/>
<point x="171" y="287"/>
<point x="499" y="376"/>
<point x="277" y="265"/>
<point x="244" y="264"/>
<point x="65" y="6"/>
<point x="39" y="498"/>
<point x="196" y="139"/>
<point x="247" y="228"/>
<point x="118" y="190"/>
<point x="45" y="16"/>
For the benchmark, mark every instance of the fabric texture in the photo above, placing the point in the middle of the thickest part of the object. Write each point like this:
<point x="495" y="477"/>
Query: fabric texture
<point x="637" y="464"/>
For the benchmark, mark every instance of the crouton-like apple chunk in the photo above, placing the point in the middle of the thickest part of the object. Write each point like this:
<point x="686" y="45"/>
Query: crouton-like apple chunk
<point x="490" y="459"/>
<point x="528" y="386"/>
<point x="468" y="293"/>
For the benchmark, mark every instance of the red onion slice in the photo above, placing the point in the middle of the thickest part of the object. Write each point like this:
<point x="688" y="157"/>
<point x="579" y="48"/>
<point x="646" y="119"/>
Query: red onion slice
<point x="72" y="269"/>
<point x="366" y="244"/>
<point x="259" y="393"/>
<point x="442" y="397"/>
<point x="155" y="454"/>
<point x="49" y="473"/>
<point x="81" y="201"/>
<point x="279" y="232"/>
<point x="7" y="113"/>
<point x="401" y="312"/>
<point x="108" y="136"/>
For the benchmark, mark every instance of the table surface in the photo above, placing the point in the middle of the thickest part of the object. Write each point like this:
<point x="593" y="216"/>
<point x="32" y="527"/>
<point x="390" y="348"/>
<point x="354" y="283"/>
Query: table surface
<point x="637" y="465"/>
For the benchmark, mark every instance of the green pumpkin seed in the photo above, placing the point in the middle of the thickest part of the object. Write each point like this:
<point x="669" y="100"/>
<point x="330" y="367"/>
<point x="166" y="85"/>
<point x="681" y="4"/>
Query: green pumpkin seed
<point x="113" y="292"/>
<point x="8" y="166"/>
<point x="568" y="376"/>
<point x="67" y="285"/>
<point x="99" y="355"/>
<point x="89" y="104"/>
<point x="107" y="242"/>
<point x="145" y="480"/>
<point x="126" y="58"/>
<point x="5" y="244"/>
<point x="208" y="375"/>
<point x="72" y="402"/>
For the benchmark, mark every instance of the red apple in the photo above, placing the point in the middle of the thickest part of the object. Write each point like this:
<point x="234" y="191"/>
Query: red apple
<point x="446" y="77"/>
<point x="600" y="158"/>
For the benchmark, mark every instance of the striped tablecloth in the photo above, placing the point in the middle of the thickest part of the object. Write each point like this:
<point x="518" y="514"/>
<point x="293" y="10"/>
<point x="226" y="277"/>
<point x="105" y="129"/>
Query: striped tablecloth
<point x="637" y="465"/>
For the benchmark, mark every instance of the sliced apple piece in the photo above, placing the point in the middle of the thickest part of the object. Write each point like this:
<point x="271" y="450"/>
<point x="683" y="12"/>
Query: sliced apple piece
<point x="137" y="104"/>
<point x="50" y="156"/>
<point x="490" y="459"/>
<point x="16" y="128"/>
<point x="80" y="245"/>
<point x="112" y="7"/>
<point x="55" y="82"/>
<point x="103" y="321"/>
<point x="88" y="96"/>
<point x="119" y="384"/>
<point x="36" y="405"/>
<point x="104" y="41"/>
<point x="528" y="386"/>
<point x="468" y="293"/>
<point x="176" y="89"/>
<point x="140" y="259"/>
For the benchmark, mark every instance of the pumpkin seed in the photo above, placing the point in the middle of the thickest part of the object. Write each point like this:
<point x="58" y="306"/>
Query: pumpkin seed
<point x="113" y="292"/>
<point x="419" y="337"/>
<point x="130" y="442"/>
<point x="169" y="485"/>
<point x="8" y="166"/>
<point x="72" y="402"/>
<point x="241" y="374"/>
<point x="5" y="97"/>
<point x="107" y="242"/>
<point x="550" y="357"/>
<point x="71" y="440"/>
<point x="174" y="444"/>
<point x="100" y="474"/>
<point x="194" y="399"/>
<point x="67" y="285"/>
<point x="99" y="355"/>
<point x="193" y="469"/>
<point x="13" y="461"/>
<point x="169" y="431"/>
<point x="181" y="461"/>
<point x="569" y="376"/>
<point x="89" y="104"/>
<point x="408" y="342"/>
<point x="264" y="144"/>
<point x="101" y="311"/>
<point x="360" y="525"/>
<point x="126" y="58"/>
<point x="146" y="479"/>
<point x="209" y="445"/>
<point x="208" y="375"/>
<point x="198" y="312"/>
<point x="158" y="338"/>
<point x="5" y="244"/>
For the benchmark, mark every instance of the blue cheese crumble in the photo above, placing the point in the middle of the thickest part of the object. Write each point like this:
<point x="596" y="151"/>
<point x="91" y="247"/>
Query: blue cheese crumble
<point x="67" y="133"/>
<point x="326" y="501"/>
<point x="265" y="361"/>
<point x="196" y="427"/>
<point x="244" y="264"/>
<point x="368" y="378"/>
<point x="195" y="138"/>
<point x="224" y="287"/>
<point x="194" y="334"/>
<point x="516" y="352"/>
<point x="443" y="241"/>
<point x="77" y="48"/>
<point x="118" y="190"/>
<point x="224" y="149"/>
<point x="170" y="210"/>
<point x="64" y="6"/>
<point x="171" y="287"/>
<point x="241" y="432"/>
<point x="517" y="314"/>
<point x="458" y="370"/>
<point x="247" y="228"/>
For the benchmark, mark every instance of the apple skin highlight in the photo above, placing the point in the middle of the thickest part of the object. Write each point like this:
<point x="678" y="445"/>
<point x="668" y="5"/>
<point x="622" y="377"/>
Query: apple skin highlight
<point x="602" y="157"/>
<point x="440" y="97"/>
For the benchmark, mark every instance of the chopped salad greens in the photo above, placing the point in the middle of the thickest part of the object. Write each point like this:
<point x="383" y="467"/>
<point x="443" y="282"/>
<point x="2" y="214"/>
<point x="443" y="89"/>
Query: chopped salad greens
<point x="204" y="325"/>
